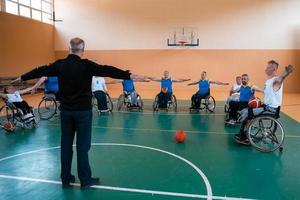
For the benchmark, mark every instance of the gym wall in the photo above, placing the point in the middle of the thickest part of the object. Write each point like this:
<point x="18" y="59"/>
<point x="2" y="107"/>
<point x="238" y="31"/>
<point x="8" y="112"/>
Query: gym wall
<point x="236" y="36"/>
<point x="24" y="44"/>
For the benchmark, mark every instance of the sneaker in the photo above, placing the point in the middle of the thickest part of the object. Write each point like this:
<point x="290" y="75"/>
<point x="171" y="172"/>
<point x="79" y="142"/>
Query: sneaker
<point x="27" y="116"/>
<point x="230" y="121"/>
<point x="242" y="141"/>
<point x="91" y="182"/>
<point x="237" y="136"/>
<point x="68" y="185"/>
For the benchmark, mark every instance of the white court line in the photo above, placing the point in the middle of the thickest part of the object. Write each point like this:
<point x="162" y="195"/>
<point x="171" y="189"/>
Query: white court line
<point x="209" y="195"/>
<point x="169" y="113"/>
<point x="179" y="105"/>
<point x="153" y="192"/>
<point x="207" y="184"/>
<point x="168" y="130"/>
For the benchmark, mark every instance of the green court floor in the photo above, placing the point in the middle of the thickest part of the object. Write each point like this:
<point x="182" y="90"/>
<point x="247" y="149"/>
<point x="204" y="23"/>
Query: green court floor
<point x="136" y="157"/>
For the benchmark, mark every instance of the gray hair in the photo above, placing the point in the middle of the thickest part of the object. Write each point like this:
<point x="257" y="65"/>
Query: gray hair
<point x="76" y="45"/>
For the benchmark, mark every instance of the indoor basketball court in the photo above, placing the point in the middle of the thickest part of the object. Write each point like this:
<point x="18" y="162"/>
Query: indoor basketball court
<point x="154" y="134"/>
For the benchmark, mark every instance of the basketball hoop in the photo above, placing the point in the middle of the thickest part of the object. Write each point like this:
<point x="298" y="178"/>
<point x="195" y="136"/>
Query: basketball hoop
<point x="183" y="37"/>
<point x="182" y="42"/>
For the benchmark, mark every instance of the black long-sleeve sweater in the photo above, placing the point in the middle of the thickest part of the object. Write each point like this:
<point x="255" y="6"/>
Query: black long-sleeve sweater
<point x="75" y="78"/>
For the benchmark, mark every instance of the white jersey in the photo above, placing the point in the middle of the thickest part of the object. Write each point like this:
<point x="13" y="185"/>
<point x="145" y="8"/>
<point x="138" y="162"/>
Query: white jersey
<point x="272" y="98"/>
<point x="236" y="87"/>
<point x="15" y="97"/>
<point x="98" y="84"/>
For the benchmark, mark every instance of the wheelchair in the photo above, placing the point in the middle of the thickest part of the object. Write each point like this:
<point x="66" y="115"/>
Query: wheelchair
<point x="227" y="110"/>
<point x="110" y="104"/>
<point x="10" y="113"/>
<point x="171" y="105"/>
<point x="209" y="104"/>
<point x="265" y="132"/>
<point x="124" y="102"/>
<point x="48" y="107"/>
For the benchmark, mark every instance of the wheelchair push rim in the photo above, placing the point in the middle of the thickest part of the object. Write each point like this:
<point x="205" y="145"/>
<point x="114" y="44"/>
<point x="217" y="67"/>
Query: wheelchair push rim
<point x="6" y="115"/>
<point x="210" y="104"/>
<point x="266" y="134"/>
<point x="47" y="108"/>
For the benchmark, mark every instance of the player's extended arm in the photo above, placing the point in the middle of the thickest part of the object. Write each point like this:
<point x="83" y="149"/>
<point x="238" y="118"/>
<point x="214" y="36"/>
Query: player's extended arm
<point x="193" y="83"/>
<point x="39" y="83"/>
<point x="180" y="80"/>
<point x="154" y="79"/>
<point x="114" y="82"/>
<point x="218" y="83"/>
<point x="257" y="89"/>
<point x="24" y="91"/>
<point x="278" y="82"/>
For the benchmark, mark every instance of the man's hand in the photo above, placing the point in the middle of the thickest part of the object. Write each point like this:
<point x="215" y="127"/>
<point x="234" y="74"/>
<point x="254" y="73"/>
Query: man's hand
<point x="138" y="77"/>
<point x="289" y="69"/>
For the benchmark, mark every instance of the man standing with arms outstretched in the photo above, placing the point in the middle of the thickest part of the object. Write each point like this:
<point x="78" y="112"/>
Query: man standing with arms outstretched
<point x="74" y="79"/>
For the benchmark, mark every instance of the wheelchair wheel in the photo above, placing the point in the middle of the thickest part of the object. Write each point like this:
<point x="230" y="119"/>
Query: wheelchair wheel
<point x="110" y="104"/>
<point x="266" y="133"/>
<point x="47" y="108"/>
<point x="6" y="115"/>
<point x="140" y="102"/>
<point x="173" y="104"/>
<point x="226" y="108"/>
<point x="155" y="103"/>
<point x="121" y="101"/>
<point x="210" y="104"/>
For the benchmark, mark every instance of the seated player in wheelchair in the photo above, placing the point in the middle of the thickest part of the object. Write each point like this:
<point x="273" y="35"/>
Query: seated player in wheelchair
<point x="204" y="90"/>
<point x="234" y="94"/>
<point x="272" y="99"/>
<point x="51" y="87"/>
<point x="99" y="90"/>
<point x="131" y="95"/>
<point x="13" y="99"/>
<point x="246" y="93"/>
<point x="166" y="91"/>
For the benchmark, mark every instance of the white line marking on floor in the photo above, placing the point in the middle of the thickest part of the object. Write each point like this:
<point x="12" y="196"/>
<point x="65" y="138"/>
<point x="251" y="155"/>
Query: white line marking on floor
<point x="169" y="130"/>
<point x="153" y="192"/>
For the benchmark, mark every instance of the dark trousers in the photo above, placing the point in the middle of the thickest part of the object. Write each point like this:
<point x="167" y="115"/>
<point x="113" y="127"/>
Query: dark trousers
<point x="23" y="106"/>
<point x="163" y="99"/>
<point x="81" y="123"/>
<point x="234" y="107"/>
<point x="101" y="100"/>
<point x="197" y="98"/>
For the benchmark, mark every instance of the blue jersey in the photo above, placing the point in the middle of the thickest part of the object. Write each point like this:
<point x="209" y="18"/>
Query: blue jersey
<point x="167" y="83"/>
<point x="246" y="93"/>
<point x="128" y="85"/>
<point x="51" y="84"/>
<point x="204" y="87"/>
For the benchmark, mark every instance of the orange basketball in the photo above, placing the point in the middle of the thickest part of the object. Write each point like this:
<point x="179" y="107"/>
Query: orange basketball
<point x="9" y="126"/>
<point x="164" y="89"/>
<point x="254" y="102"/>
<point x="180" y="136"/>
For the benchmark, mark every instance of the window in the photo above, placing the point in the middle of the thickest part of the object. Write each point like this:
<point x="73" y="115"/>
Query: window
<point x="40" y="10"/>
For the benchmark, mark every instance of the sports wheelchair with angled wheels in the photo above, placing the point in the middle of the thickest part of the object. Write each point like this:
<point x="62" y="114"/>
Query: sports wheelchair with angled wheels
<point x="124" y="102"/>
<point x="10" y="113"/>
<point x="209" y="104"/>
<point x="171" y="104"/>
<point x="110" y="105"/>
<point x="265" y="132"/>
